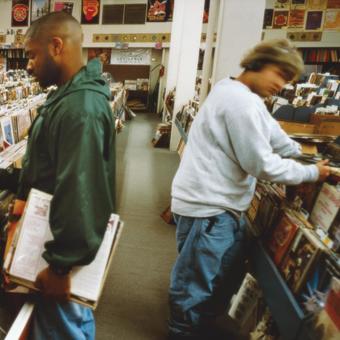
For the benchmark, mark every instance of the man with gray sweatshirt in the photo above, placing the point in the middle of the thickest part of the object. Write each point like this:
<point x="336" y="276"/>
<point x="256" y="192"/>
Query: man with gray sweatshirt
<point x="232" y="142"/>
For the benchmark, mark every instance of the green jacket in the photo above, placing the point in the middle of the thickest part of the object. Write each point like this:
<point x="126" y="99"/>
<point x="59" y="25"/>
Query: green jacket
<point x="71" y="155"/>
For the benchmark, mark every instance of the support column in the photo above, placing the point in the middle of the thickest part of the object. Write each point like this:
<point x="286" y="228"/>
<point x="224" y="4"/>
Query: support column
<point x="239" y="29"/>
<point x="162" y="81"/>
<point x="207" y="61"/>
<point x="183" y="58"/>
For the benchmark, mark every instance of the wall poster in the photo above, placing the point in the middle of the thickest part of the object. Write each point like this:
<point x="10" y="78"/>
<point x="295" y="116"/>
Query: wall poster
<point x="63" y="6"/>
<point x="332" y="20"/>
<point x="20" y="12"/>
<point x="280" y="19"/>
<point x="314" y="20"/>
<point x="296" y="18"/>
<point x="39" y="8"/>
<point x="90" y="11"/>
<point x="333" y="4"/>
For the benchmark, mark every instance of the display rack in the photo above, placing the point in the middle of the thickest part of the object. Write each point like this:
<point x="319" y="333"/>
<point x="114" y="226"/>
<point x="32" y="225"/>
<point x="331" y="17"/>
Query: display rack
<point x="288" y="315"/>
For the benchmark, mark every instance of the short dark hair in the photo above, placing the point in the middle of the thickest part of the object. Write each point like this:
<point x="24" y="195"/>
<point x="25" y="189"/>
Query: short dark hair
<point x="48" y="24"/>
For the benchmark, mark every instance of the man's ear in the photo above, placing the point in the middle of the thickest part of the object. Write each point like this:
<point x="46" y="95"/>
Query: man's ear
<point x="57" y="46"/>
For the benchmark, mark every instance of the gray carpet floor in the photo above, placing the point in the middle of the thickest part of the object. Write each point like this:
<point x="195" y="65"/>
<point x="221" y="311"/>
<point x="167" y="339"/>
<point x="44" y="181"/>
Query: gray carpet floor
<point x="134" y="302"/>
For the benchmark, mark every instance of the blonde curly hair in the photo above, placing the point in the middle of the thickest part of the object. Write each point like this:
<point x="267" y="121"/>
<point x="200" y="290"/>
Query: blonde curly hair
<point x="280" y="52"/>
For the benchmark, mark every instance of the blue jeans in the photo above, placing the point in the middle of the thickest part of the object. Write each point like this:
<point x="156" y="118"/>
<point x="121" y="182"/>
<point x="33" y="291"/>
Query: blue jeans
<point x="61" y="321"/>
<point x="207" y="272"/>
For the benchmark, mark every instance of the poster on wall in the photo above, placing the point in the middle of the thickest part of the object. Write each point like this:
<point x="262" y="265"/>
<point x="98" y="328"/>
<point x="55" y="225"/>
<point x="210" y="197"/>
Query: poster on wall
<point x="280" y="19"/>
<point x="283" y="4"/>
<point x="296" y="18"/>
<point x="20" y="10"/>
<point x="157" y="10"/>
<point x="332" y="20"/>
<point x="317" y="4"/>
<point x="314" y="20"/>
<point x="268" y="18"/>
<point x="206" y="11"/>
<point x="39" y="8"/>
<point x="333" y="4"/>
<point x="90" y="11"/>
<point x="139" y="56"/>
<point x="170" y="9"/>
<point x="298" y="4"/>
<point x="104" y="54"/>
<point x="63" y="6"/>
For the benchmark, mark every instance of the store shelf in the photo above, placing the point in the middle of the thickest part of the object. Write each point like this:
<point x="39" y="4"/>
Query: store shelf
<point x="288" y="315"/>
<point x="181" y="130"/>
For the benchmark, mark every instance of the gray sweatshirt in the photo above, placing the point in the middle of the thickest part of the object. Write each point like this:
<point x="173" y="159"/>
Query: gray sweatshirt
<point x="233" y="140"/>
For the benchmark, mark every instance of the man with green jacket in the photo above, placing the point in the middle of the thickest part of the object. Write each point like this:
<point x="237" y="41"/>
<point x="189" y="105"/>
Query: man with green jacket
<point x="70" y="155"/>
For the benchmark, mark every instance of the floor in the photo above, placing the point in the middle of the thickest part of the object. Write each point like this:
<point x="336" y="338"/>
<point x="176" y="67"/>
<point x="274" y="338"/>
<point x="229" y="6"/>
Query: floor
<point x="134" y="302"/>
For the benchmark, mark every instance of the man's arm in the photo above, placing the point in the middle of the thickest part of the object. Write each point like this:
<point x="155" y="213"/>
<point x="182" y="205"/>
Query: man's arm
<point x="83" y="197"/>
<point x="249" y="135"/>
<point x="280" y="141"/>
<point x="82" y="148"/>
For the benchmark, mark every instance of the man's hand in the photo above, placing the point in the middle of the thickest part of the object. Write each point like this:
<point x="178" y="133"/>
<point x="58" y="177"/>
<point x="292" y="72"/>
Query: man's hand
<point x="324" y="170"/>
<point x="54" y="286"/>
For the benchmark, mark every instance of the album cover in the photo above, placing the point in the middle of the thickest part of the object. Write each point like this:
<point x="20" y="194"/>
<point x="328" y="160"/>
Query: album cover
<point x="314" y="20"/>
<point x="20" y="13"/>
<point x="90" y="10"/>
<point x="157" y="10"/>
<point x="298" y="4"/>
<point x="63" y="6"/>
<point x="268" y="18"/>
<point x="326" y="206"/>
<point x="333" y="4"/>
<point x="317" y="4"/>
<point x="280" y="19"/>
<point x="39" y="8"/>
<point x="283" y="4"/>
<point x="282" y="235"/>
<point x="300" y="258"/>
<point x="332" y="20"/>
<point x="296" y="18"/>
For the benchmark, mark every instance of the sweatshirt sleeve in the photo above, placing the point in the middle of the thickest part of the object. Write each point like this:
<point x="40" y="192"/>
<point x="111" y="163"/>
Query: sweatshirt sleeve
<point x="82" y="201"/>
<point x="280" y="141"/>
<point x="250" y="136"/>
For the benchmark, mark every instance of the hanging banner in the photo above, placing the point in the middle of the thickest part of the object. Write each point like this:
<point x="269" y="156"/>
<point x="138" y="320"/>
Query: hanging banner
<point x="90" y="11"/>
<point x="131" y="57"/>
<point x="20" y="13"/>
<point x="63" y="6"/>
<point x="39" y="8"/>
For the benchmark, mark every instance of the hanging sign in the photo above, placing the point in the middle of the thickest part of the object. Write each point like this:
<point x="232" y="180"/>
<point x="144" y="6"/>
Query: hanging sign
<point x="131" y="57"/>
<point x="90" y="11"/>
<point x="20" y="12"/>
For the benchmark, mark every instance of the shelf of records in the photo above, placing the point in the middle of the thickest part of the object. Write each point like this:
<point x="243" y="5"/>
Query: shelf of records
<point x="182" y="122"/>
<point x="16" y="118"/>
<point x="297" y="254"/>
<point x="121" y="112"/>
<point x="16" y="85"/>
<point x="320" y="55"/>
<point x="319" y="89"/>
<point x="252" y="313"/>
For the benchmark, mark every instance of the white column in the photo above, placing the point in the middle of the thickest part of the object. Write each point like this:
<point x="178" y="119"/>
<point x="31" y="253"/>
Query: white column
<point x="207" y="61"/>
<point x="239" y="29"/>
<point x="162" y="80"/>
<point x="183" y="59"/>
